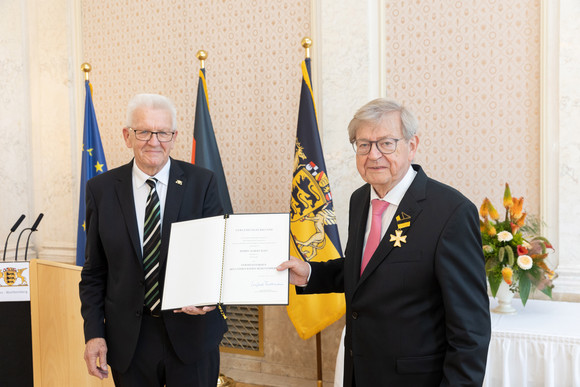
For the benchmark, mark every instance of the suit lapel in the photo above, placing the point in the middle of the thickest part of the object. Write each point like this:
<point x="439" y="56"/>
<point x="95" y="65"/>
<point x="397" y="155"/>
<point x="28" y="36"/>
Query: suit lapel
<point x="124" y="188"/>
<point x="410" y="206"/>
<point x="175" y="189"/>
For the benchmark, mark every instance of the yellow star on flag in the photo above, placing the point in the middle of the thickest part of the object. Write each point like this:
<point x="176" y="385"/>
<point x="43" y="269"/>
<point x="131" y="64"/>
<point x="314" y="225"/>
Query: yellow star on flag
<point x="99" y="167"/>
<point x="398" y="238"/>
<point x="90" y="152"/>
<point x="85" y="225"/>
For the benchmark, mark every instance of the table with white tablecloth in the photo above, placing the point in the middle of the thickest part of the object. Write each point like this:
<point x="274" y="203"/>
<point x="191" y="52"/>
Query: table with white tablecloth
<point x="539" y="346"/>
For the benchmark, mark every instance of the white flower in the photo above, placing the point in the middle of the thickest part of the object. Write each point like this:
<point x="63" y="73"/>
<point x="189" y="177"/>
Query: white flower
<point x="488" y="249"/>
<point x="525" y="262"/>
<point x="504" y="236"/>
<point x="526" y="245"/>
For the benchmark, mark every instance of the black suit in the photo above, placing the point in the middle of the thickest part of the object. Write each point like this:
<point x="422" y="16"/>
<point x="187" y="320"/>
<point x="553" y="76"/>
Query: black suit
<point x="419" y="315"/>
<point x="112" y="279"/>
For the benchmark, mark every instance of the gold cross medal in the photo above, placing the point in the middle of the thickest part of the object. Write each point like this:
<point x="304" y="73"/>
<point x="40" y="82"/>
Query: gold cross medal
<point x="403" y="221"/>
<point x="398" y="238"/>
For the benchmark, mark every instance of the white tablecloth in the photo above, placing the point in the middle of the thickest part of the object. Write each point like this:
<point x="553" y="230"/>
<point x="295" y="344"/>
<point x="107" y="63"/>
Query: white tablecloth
<point x="537" y="347"/>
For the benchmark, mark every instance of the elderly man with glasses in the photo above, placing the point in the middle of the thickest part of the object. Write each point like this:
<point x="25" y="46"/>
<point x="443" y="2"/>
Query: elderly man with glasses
<point x="129" y="214"/>
<point x="417" y="310"/>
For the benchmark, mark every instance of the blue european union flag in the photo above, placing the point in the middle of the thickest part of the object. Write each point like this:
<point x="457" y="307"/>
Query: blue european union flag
<point x="205" y="152"/>
<point x="93" y="163"/>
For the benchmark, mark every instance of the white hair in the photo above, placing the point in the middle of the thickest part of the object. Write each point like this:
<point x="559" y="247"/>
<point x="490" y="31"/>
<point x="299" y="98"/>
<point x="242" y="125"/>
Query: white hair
<point x="374" y="112"/>
<point x="151" y="101"/>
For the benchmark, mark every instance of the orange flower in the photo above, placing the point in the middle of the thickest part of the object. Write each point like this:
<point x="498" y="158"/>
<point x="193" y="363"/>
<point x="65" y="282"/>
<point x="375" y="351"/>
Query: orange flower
<point x="516" y="208"/>
<point x="483" y="211"/>
<point x="507" y="197"/>
<point x="492" y="211"/>
<point x="542" y="265"/>
<point x="514" y="227"/>
<point x="487" y="228"/>
<point x="521" y="220"/>
<point x="507" y="273"/>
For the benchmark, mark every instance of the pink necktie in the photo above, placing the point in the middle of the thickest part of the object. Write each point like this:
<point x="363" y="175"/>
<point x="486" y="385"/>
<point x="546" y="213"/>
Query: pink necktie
<point x="379" y="206"/>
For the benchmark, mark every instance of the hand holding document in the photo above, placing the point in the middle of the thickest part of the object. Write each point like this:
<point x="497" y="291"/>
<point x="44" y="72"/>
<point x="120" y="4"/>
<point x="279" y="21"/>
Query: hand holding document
<point x="229" y="260"/>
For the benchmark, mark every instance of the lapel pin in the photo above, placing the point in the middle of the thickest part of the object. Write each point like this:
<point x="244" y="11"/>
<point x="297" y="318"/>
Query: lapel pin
<point x="179" y="182"/>
<point x="398" y="238"/>
<point x="403" y="220"/>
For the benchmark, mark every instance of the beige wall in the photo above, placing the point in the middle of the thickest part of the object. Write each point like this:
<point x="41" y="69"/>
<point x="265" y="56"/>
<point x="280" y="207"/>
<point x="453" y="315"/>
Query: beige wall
<point x="252" y="73"/>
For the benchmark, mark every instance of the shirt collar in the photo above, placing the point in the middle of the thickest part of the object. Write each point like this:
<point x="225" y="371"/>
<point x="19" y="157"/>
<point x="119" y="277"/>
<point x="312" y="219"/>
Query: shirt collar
<point x="140" y="177"/>
<point x="395" y="195"/>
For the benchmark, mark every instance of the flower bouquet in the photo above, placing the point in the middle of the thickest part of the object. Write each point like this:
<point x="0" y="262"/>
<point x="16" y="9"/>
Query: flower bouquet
<point x="513" y="251"/>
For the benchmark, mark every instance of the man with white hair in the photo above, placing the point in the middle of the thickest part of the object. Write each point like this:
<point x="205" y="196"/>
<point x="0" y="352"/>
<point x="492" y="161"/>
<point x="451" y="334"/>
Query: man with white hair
<point x="130" y="210"/>
<point x="417" y="310"/>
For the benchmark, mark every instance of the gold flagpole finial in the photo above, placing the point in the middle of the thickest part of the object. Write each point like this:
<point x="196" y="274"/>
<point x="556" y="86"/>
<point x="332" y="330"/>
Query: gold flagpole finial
<point x="87" y="69"/>
<point x="202" y="56"/>
<point x="306" y="43"/>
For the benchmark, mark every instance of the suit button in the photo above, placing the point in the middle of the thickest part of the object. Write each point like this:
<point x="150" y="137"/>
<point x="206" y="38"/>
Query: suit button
<point x="139" y="313"/>
<point x="354" y="315"/>
<point x="350" y="352"/>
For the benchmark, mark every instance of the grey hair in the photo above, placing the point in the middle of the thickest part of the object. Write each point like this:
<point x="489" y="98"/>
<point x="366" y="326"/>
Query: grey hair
<point x="376" y="110"/>
<point x="151" y="101"/>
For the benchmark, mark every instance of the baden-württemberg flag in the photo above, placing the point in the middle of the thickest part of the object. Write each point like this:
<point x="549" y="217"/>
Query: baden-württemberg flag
<point x="205" y="151"/>
<point x="93" y="163"/>
<point x="313" y="222"/>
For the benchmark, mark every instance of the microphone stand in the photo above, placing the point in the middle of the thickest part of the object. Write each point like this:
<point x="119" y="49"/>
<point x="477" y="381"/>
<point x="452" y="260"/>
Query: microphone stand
<point x="10" y="233"/>
<point x="31" y="229"/>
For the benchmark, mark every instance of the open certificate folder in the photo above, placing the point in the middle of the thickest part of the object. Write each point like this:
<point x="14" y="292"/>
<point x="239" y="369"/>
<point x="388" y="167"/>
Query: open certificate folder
<point x="228" y="259"/>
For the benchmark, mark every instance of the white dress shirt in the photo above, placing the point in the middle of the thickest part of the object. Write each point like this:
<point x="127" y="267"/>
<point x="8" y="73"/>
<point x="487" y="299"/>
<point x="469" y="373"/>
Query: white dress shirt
<point x="394" y="197"/>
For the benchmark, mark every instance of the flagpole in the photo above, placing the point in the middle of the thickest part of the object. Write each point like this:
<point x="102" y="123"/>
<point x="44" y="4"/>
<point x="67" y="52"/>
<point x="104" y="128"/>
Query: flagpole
<point x="307" y="43"/>
<point x="201" y="56"/>
<point x="86" y="67"/>
<point x="223" y="380"/>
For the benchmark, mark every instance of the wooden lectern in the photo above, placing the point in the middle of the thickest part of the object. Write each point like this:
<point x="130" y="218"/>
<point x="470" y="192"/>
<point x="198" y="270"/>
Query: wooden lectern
<point x="58" y="343"/>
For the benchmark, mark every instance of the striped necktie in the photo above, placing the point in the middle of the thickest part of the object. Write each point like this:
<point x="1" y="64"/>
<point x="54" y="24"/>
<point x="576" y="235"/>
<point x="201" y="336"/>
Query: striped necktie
<point x="152" y="248"/>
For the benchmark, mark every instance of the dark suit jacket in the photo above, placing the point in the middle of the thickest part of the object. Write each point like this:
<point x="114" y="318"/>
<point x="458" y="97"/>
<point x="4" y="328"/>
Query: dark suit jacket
<point x="112" y="279"/>
<point x="419" y="315"/>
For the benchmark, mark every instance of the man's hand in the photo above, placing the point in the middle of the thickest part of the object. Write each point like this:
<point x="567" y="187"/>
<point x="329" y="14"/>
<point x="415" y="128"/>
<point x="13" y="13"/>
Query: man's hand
<point x="97" y="349"/>
<point x="299" y="270"/>
<point x="195" y="310"/>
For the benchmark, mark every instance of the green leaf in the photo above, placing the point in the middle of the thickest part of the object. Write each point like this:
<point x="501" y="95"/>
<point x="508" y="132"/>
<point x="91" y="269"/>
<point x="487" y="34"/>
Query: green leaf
<point x="494" y="282"/>
<point x="525" y="287"/>
<point x="501" y="253"/>
<point x="510" y="254"/>
<point x="547" y="291"/>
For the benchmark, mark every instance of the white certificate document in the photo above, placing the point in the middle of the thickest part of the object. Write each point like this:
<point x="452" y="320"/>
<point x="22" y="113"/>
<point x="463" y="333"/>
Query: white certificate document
<point x="227" y="260"/>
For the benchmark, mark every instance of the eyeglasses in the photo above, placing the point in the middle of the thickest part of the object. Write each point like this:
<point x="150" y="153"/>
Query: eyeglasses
<point x="145" y="135"/>
<point x="385" y="146"/>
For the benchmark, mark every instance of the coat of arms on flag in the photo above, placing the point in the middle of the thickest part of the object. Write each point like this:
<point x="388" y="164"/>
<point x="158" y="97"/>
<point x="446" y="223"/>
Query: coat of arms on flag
<point x="311" y="202"/>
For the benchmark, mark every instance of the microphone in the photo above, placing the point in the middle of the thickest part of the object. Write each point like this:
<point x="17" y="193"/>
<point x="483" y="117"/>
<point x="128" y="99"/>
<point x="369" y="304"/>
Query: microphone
<point x="31" y="229"/>
<point x="36" y="222"/>
<point x="10" y="233"/>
